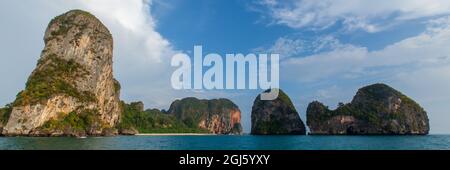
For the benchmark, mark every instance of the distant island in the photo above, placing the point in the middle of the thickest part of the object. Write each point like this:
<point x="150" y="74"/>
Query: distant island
<point x="72" y="92"/>
<point x="188" y="115"/>
<point x="375" y="110"/>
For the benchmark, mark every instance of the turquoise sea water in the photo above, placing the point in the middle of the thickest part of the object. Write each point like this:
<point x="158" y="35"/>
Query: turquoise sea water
<point x="245" y="142"/>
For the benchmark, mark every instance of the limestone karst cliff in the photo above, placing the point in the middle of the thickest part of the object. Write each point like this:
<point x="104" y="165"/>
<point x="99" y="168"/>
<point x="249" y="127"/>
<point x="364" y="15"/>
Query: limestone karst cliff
<point x="276" y="117"/>
<point x="218" y="116"/>
<point x="375" y="110"/>
<point x="72" y="90"/>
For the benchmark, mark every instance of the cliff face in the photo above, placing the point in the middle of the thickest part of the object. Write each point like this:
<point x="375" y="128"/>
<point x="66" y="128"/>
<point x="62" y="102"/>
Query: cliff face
<point x="276" y="117"/>
<point x="73" y="79"/>
<point x="375" y="109"/>
<point x="218" y="116"/>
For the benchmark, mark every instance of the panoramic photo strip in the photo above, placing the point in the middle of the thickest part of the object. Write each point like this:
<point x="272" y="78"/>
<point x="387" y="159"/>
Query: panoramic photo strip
<point x="225" y="83"/>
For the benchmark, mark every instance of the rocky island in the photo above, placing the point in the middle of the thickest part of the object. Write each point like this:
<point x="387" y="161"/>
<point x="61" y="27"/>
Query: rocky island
<point x="218" y="116"/>
<point x="375" y="110"/>
<point x="72" y="91"/>
<point x="276" y="117"/>
<point x="189" y="115"/>
<point x="136" y="120"/>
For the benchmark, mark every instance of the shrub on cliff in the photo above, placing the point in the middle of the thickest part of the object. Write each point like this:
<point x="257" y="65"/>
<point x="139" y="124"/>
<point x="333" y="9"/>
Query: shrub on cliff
<point x="73" y="124"/>
<point x="5" y="113"/>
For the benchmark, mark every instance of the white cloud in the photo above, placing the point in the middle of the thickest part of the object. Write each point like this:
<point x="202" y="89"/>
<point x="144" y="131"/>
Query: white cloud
<point x="294" y="46"/>
<point x="368" y="15"/>
<point x="285" y="47"/>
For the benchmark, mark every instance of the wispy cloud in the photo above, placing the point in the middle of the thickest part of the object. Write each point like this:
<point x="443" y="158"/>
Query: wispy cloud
<point x="427" y="49"/>
<point x="367" y="15"/>
<point x="298" y="46"/>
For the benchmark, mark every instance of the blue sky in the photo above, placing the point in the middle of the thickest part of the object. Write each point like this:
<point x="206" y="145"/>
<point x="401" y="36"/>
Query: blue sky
<point x="329" y="48"/>
<point x="233" y="26"/>
<point x="221" y="26"/>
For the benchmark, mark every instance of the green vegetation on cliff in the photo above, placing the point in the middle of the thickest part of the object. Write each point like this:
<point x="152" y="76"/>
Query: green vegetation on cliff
<point x="117" y="86"/>
<point x="5" y="113"/>
<point x="270" y="127"/>
<point x="192" y="110"/>
<point x="285" y="99"/>
<point x="152" y="121"/>
<point x="84" y="121"/>
<point x="55" y="76"/>
<point x="367" y="105"/>
<point x="65" y="23"/>
<point x="219" y="116"/>
<point x="367" y="114"/>
<point x="375" y="109"/>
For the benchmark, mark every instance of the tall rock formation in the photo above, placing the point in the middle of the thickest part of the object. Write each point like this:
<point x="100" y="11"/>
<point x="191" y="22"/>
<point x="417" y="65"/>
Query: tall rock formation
<point x="218" y="116"/>
<point x="375" y="110"/>
<point x="276" y="117"/>
<point x="72" y="90"/>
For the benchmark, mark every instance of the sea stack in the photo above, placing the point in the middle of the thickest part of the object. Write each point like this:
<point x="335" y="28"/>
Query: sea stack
<point x="218" y="116"/>
<point x="72" y="90"/>
<point x="375" y="110"/>
<point x="276" y="117"/>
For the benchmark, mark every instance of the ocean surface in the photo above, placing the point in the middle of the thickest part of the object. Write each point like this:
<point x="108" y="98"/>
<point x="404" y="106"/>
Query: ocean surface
<point x="244" y="142"/>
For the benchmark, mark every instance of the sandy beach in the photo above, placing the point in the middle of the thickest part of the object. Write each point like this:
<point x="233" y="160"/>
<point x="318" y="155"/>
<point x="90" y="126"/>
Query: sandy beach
<point x="175" y="134"/>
